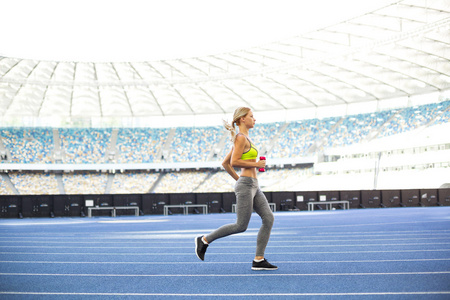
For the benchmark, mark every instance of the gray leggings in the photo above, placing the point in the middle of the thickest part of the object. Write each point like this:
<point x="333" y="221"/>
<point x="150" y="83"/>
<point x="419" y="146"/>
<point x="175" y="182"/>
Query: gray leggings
<point x="249" y="197"/>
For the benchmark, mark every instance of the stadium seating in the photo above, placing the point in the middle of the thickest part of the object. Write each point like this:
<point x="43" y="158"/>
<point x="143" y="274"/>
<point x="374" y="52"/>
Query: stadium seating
<point x="198" y="144"/>
<point x="84" y="183"/>
<point x="181" y="182"/>
<point x="133" y="182"/>
<point x="411" y="118"/>
<point x="354" y="129"/>
<point x="85" y="145"/>
<point x="4" y="189"/>
<point x="34" y="183"/>
<point x="140" y="145"/>
<point x="28" y="145"/>
<point x="143" y="145"/>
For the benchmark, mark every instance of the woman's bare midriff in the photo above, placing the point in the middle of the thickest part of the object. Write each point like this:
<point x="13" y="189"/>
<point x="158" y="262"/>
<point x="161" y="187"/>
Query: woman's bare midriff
<point x="249" y="172"/>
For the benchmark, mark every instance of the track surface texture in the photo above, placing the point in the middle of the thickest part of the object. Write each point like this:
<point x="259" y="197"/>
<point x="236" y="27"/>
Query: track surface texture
<point x="385" y="253"/>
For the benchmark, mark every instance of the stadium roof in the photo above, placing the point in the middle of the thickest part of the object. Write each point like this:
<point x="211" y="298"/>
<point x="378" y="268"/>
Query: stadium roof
<point x="398" y="50"/>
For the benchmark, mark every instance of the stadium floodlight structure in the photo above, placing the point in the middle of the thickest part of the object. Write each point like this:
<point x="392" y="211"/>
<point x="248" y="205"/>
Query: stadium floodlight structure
<point x="394" y="52"/>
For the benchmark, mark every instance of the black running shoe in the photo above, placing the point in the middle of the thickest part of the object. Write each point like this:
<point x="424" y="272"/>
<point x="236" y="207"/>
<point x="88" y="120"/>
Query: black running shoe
<point x="263" y="265"/>
<point x="200" y="248"/>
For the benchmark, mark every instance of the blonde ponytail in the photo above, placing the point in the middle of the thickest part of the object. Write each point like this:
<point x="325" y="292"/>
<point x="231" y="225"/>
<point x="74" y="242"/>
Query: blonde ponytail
<point x="238" y="114"/>
<point x="231" y="129"/>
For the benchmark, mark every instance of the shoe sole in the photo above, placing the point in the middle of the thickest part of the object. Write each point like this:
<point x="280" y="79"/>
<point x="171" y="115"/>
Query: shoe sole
<point x="196" y="247"/>
<point x="264" y="269"/>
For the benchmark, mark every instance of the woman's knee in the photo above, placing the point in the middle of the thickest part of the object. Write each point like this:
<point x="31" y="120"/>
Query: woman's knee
<point x="241" y="227"/>
<point x="268" y="219"/>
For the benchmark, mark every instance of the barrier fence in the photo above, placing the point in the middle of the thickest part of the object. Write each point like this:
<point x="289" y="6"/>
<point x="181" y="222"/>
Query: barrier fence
<point x="18" y="206"/>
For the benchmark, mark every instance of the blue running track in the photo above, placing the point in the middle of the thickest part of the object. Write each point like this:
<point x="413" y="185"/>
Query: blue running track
<point x="390" y="253"/>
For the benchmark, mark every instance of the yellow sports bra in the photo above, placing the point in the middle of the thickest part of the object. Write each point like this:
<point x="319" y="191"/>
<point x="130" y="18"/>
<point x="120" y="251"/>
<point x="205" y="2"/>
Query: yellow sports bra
<point x="252" y="153"/>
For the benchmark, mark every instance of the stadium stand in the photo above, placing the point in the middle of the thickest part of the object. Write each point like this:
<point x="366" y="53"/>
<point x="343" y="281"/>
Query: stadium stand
<point x="4" y="189"/>
<point x="85" y="183"/>
<point x="201" y="144"/>
<point x="354" y="129"/>
<point x="34" y="183"/>
<point x="303" y="136"/>
<point x="133" y="182"/>
<point x="181" y="182"/>
<point x="196" y="143"/>
<point x="411" y="118"/>
<point x="140" y="145"/>
<point x="85" y="145"/>
<point x="28" y="145"/>
<point x="218" y="181"/>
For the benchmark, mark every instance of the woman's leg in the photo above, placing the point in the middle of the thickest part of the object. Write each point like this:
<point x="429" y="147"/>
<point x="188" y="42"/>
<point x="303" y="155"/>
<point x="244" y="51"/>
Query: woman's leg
<point x="245" y="190"/>
<point x="262" y="208"/>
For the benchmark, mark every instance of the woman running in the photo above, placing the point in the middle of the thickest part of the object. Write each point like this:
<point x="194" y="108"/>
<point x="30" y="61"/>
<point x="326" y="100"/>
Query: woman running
<point x="249" y="196"/>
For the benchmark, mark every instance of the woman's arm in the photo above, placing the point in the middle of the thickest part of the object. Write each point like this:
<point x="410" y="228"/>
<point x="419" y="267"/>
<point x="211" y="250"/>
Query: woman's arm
<point x="227" y="166"/>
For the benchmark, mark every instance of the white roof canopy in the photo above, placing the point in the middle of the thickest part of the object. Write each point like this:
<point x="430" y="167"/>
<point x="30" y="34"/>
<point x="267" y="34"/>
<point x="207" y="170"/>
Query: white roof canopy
<point x="399" y="50"/>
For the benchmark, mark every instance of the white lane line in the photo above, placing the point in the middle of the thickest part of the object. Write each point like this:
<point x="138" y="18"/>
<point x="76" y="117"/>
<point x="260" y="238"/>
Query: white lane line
<point x="224" y="262"/>
<point x="82" y="222"/>
<point x="224" y="253"/>
<point x="226" y="247"/>
<point x="230" y="295"/>
<point x="383" y="233"/>
<point x="271" y="274"/>
<point x="360" y="225"/>
<point x="302" y="240"/>
<point x="144" y="235"/>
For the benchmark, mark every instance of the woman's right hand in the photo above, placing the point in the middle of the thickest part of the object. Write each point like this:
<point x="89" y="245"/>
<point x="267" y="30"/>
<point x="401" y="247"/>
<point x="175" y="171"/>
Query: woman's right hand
<point x="261" y="164"/>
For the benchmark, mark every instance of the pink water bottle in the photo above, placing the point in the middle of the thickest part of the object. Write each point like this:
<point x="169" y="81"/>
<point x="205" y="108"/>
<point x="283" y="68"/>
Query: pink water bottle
<point x="262" y="158"/>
